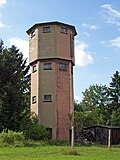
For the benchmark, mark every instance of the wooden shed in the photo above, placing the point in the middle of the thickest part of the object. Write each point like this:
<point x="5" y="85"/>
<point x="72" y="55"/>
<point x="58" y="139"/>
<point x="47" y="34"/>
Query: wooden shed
<point x="100" y="134"/>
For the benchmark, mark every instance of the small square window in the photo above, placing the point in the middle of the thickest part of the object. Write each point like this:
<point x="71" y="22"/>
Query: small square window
<point x="46" y="29"/>
<point x="32" y="34"/>
<point x="47" y="98"/>
<point x="64" y="30"/>
<point x="63" y="66"/>
<point x="33" y="99"/>
<point x="34" y="69"/>
<point x="47" y="66"/>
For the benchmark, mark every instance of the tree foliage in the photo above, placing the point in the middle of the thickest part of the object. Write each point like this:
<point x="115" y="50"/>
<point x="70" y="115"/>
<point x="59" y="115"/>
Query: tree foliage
<point x="114" y="91"/>
<point x="114" y="100"/>
<point x="100" y="105"/>
<point x="93" y="106"/>
<point x="14" y="87"/>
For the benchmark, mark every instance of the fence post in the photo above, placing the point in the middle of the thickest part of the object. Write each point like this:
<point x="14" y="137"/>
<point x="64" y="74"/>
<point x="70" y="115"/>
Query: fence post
<point x="72" y="137"/>
<point x="109" y="138"/>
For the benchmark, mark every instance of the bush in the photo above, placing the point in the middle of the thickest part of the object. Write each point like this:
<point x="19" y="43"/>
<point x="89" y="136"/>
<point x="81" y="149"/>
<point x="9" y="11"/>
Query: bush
<point x="70" y="151"/>
<point x="37" y="132"/>
<point x="11" y="137"/>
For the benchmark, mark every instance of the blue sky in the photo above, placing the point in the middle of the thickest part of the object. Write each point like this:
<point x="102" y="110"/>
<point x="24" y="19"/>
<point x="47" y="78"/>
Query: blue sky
<point x="97" y="45"/>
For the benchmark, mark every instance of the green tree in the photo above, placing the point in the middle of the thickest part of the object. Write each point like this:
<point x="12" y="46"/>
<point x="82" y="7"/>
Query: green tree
<point x="77" y="107"/>
<point x="14" y="87"/>
<point x="93" y="107"/>
<point x="114" y="91"/>
<point x="114" y="98"/>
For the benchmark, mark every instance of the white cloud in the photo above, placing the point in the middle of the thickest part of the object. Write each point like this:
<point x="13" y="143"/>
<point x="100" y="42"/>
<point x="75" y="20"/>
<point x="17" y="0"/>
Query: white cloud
<point x="20" y="44"/>
<point x="115" y="42"/>
<point x="2" y="2"/>
<point x="102" y="42"/>
<point x="92" y="27"/>
<point x="82" y="56"/>
<point x="111" y="15"/>
<point x="2" y="25"/>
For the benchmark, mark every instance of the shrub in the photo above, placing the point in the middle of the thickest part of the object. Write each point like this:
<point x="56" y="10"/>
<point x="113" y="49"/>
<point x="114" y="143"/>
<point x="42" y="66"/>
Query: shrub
<point x="70" y="151"/>
<point x="11" y="137"/>
<point x="37" y="132"/>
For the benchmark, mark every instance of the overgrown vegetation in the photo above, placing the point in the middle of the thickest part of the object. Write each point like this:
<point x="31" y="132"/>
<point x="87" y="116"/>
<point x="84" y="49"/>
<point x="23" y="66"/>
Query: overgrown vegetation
<point x="37" y="132"/>
<point x="12" y="138"/>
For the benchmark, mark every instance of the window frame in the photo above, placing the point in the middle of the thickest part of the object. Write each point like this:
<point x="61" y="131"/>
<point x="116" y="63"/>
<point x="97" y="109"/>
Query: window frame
<point x="46" y="29"/>
<point x="63" y="66"/>
<point x="34" y="99"/>
<point x="47" y="98"/>
<point x="32" y="34"/>
<point x="49" y="67"/>
<point x="63" y="29"/>
<point x="34" y="68"/>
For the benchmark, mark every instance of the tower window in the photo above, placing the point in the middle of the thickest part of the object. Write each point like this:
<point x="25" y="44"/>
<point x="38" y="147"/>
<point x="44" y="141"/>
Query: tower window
<point x="46" y="29"/>
<point x="47" y="66"/>
<point x="63" y="66"/>
<point x="32" y="33"/>
<point x="34" y="69"/>
<point x="33" y="99"/>
<point x="64" y="29"/>
<point x="47" y="98"/>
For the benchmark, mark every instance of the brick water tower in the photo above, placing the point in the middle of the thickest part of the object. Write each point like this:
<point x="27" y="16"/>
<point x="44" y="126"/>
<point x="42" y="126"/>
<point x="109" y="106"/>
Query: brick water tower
<point x="51" y="57"/>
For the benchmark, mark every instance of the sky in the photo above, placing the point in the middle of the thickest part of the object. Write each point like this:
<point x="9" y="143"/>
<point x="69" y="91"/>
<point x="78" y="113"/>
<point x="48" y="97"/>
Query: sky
<point x="97" y="44"/>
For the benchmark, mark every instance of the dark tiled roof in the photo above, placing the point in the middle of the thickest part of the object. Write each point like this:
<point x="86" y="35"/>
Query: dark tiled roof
<point x="51" y="23"/>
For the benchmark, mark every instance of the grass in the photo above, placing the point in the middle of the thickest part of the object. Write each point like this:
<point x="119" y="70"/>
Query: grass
<point x="59" y="153"/>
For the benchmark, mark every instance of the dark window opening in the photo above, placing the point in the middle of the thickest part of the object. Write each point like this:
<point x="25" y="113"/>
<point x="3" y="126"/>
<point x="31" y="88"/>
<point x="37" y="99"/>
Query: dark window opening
<point x="33" y="99"/>
<point x="46" y="29"/>
<point x="50" y="132"/>
<point x="34" y="69"/>
<point x="64" y="30"/>
<point x="63" y="66"/>
<point x="47" y="66"/>
<point x="32" y="34"/>
<point x="47" y="98"/>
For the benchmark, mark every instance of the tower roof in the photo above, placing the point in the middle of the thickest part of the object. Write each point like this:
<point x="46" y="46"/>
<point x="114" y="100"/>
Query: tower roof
<point x="51" y="23"/>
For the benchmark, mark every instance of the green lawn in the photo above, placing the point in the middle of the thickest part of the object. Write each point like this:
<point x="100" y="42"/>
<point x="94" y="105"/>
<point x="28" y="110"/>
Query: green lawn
<point x="57" y="153"/>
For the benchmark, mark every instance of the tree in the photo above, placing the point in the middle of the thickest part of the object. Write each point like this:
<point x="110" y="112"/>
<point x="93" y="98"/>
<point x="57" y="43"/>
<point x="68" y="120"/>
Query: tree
<point x="114" y="98"/>
<point x="93" y="107"/>
<point x="114" y="91"/>
<point x="14" y="87"/>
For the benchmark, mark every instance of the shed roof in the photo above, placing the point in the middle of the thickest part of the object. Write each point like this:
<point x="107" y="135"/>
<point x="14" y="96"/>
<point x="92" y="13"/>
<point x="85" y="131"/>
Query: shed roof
<point x="102" y="126"/>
